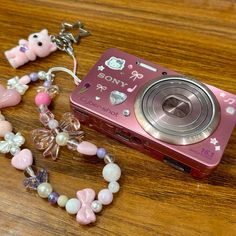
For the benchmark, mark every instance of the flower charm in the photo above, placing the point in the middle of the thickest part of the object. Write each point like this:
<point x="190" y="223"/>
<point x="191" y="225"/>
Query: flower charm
<point x="33" y="182"/>
<point x="12" y="143"/>
<point x="58" y="135"/>
<point x="15" y="84"/>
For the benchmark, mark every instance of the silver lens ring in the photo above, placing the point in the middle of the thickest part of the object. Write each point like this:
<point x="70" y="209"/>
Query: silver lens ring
<point x="177" y="110"/>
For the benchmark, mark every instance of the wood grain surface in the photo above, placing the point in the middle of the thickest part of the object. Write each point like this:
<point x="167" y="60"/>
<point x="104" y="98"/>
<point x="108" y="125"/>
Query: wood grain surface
<point x="196" y="38"/>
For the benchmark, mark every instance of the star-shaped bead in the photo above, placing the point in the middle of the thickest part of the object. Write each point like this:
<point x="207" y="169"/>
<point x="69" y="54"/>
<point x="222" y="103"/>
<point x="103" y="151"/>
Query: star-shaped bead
<point x="101" y="68"/>
<point x="214" y="141"/>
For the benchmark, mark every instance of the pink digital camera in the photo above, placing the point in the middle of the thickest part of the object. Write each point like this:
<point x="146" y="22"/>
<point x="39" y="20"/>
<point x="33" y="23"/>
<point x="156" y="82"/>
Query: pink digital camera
<point x="178" y="120"/>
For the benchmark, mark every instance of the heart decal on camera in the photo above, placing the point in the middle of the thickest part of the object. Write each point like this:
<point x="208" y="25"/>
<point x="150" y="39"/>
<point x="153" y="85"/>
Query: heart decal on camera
<point x="117" y="97"/>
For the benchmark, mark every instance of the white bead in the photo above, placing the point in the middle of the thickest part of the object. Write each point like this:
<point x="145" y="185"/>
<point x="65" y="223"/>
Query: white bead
<point x="62" y="138"/>
<point x="105" y="196"/>
<point x="18" y="139"/>
<point x="44" y="190"/>
<point x="14" y="150"/>
<point x="96" y="206"/>
<point x="114" y="187"/>
<point x="53" y="124"/>
<point x="111" y="172"/>
<point x="42" y="75"/>
<point x="73" y="206"/>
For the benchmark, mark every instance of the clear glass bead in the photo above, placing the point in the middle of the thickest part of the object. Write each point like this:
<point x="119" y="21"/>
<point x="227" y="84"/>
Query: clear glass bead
<point x="46" y="116"/>
<point x="42" y="108"/>
<point x="109" y="158"/>
<point x="72" y="144"/>
<point x="53" y="124"/>
<point x="41" y="138"/>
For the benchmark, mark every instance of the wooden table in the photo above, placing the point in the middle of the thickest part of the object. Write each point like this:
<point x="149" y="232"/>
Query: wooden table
<point x="196" y="38"/>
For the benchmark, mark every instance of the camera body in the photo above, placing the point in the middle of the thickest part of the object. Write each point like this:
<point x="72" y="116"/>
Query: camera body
<point x="178" y="120"/>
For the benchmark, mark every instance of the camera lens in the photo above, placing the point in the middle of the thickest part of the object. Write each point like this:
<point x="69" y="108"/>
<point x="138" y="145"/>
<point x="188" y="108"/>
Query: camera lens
<point x="177" y="110"/>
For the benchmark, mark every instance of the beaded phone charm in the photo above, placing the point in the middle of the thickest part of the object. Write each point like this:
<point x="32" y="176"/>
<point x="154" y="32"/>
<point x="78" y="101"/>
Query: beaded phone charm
<point x="41" y="44"/>
<point x="64" y="133"/>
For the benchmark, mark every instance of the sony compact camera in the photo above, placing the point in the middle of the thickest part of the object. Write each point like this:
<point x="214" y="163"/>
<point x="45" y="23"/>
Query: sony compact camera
<point x="178" y="120"/>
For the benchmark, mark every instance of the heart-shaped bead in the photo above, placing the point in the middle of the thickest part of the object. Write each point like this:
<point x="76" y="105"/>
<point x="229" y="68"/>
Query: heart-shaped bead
<point x="22" y="159"/>
<point x="8" y="97"/>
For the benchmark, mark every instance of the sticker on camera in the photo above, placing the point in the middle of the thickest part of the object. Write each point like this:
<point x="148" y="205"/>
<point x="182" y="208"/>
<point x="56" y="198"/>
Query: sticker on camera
<point x="85" y="88"/>
<point x="101" y="87"/>
<point x="115" y="63"/>
<point x="136" y="75"/>
<point x="101" y="68"/>
<point x="215" y="142"/>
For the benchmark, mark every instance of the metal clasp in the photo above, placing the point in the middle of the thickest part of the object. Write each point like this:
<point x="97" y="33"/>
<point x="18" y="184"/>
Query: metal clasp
<point x="66" y="38"/>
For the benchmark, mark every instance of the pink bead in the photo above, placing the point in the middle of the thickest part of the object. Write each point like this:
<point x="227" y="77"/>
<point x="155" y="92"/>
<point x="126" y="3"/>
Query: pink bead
<point x="24" y="80"/>
<point x="87" y="148"/>
<point x="5" y="127"/>
<point x="105" y="196"/>
<point x="22" y="159"/>
<point x="9" y="97"/>
<point x="42" y="98"/>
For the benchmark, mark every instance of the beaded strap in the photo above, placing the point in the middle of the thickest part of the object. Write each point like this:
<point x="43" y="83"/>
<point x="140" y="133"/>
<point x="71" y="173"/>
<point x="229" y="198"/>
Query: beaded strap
<point x="65" y="132"/>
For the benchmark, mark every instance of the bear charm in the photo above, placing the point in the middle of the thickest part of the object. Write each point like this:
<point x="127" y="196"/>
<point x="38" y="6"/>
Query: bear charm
<point x="38" y="45"/>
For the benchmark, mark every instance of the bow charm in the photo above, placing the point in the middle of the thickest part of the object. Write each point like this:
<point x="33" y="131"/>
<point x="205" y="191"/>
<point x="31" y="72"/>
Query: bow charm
<point x="12" y="142"/>
<point x="135" y="75"/>
<point x="46" y="139"/>
<point x="85" y="214"/>
<point x="14" y="83"/>
<point x="34" y="181"/>
<point x="101" y="87"/>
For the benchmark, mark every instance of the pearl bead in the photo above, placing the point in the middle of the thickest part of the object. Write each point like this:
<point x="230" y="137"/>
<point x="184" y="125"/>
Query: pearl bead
<point x="44" y="190"/>
<point x="105" y="196"/>
<point x="62" y="138"/>
<point x="96" y="206"/>
<point x="53" y="124"/>
<point x="114" y="187"/>
<point x="42" y="75"/>
<point x="111" y="172"/>
<point x="73" y="206"/>
<point x="62" y="200"/>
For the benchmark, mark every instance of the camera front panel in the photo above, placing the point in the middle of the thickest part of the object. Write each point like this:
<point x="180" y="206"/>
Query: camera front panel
<point x="158" y="111"/>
